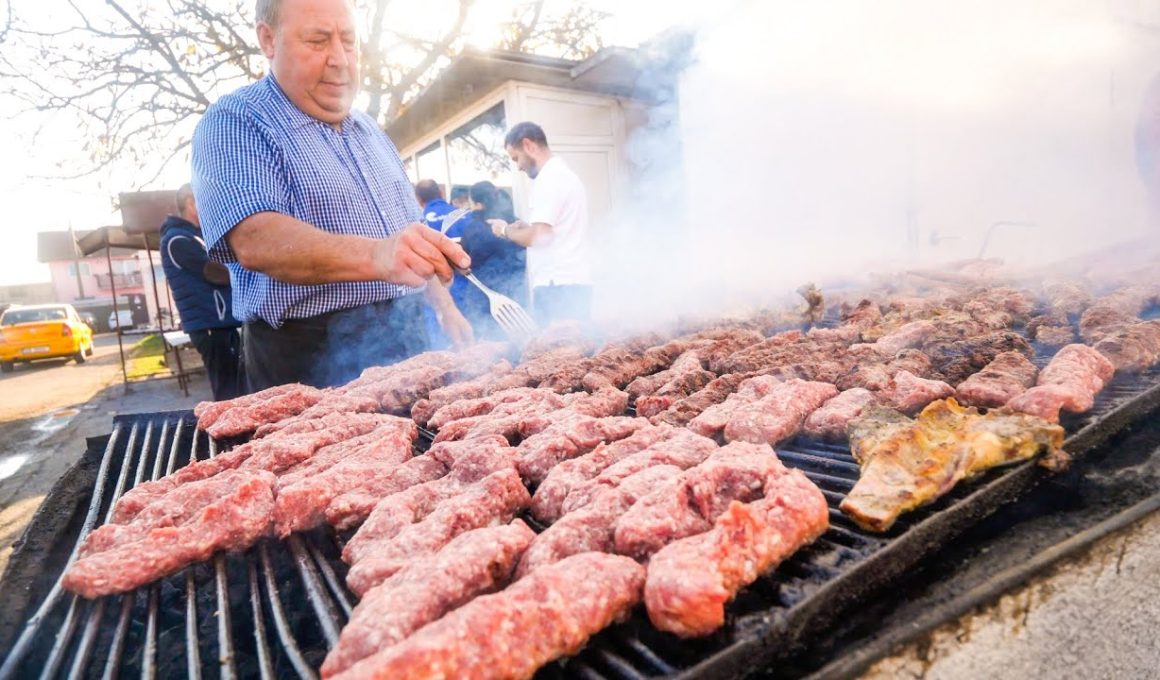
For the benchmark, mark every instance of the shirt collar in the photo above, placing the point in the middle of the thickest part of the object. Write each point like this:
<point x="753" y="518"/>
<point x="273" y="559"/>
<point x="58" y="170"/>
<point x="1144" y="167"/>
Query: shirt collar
<point x="298" y="118"/>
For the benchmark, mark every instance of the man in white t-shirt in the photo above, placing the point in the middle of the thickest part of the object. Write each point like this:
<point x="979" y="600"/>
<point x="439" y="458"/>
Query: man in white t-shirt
<point x="556" y="231"/>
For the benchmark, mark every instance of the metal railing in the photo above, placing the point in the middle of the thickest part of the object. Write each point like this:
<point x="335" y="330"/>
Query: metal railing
<point x="108" y="281"/>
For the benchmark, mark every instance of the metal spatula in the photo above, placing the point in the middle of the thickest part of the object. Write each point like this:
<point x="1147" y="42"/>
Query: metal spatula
<point x="511" y="317"/>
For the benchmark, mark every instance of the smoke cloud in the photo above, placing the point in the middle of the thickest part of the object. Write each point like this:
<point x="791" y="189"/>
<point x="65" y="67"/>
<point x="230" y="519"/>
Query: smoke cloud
<point x="824" y="141"/>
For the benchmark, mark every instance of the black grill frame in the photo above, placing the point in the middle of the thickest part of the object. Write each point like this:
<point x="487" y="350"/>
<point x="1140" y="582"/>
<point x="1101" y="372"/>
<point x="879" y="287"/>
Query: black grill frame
<point x="263" y="631"/>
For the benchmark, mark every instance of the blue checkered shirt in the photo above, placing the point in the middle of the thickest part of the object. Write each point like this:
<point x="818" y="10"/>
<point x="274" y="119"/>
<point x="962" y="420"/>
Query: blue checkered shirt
<point x="254" y="151"/>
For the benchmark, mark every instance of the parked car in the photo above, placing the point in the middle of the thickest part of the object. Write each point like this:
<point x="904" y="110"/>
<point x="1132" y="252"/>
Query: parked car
<point x="89" y="319"/>
<point x="122" y="318"/>
<point x="37" y="332"/>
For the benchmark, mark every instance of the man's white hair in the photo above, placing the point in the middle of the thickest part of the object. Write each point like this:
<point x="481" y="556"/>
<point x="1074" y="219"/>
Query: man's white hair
<point x="266" y="11"/>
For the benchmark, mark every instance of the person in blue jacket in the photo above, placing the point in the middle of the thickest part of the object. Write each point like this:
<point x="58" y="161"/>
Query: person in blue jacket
<point x="498" y="262"/>
<point x="201" y="291"/>
<point x="435" y="212"/>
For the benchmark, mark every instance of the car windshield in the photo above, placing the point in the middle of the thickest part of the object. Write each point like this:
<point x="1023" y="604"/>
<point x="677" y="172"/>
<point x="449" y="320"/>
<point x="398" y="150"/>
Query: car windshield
<point x="15" y="316"/>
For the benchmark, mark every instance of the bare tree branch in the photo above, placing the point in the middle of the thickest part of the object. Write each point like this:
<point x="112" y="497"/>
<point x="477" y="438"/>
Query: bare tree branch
<point x="135" y="75"/>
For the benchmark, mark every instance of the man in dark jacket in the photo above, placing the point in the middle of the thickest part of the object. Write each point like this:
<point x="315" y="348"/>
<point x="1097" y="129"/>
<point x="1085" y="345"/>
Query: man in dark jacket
<point x="201" y="291"/>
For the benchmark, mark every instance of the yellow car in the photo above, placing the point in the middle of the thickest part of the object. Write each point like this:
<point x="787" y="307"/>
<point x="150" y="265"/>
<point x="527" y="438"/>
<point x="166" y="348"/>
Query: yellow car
<point x="34" y="332"/>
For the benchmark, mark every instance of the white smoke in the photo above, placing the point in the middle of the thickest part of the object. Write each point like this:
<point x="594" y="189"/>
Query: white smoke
<point x="821" y="141"/>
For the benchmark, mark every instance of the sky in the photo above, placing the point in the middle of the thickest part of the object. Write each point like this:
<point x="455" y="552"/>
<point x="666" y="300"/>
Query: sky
<point x="39" y="148"/>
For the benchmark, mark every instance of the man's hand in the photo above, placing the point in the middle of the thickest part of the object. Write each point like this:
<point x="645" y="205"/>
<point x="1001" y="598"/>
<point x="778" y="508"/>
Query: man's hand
<point x="521" y="233"/>
<point x="456" y="327"/>
<point x="417" y="253"/>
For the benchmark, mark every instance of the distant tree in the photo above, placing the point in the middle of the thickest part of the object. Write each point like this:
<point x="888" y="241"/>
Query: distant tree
<point x="137" y="74"/>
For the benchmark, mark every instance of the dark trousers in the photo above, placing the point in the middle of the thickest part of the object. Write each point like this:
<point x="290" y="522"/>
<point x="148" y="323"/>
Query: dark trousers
<point x="332" y="349"/>
<point x="553" y="303"/>
<point x="221" y="352"/>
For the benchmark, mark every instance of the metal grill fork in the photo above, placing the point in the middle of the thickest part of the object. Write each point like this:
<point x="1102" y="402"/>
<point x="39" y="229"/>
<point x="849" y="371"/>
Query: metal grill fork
<point x="511" y="317"/>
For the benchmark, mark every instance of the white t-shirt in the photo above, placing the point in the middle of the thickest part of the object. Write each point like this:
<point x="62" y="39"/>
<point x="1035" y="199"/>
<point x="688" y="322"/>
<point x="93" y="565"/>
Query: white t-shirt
<point x="558" y="198"/>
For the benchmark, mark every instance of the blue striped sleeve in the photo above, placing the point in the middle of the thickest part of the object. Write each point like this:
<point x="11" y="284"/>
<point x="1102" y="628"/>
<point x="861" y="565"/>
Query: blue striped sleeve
<point x="237" y="172"/>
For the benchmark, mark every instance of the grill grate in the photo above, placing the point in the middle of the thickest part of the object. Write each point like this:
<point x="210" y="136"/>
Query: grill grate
<point x="275" y="610"/>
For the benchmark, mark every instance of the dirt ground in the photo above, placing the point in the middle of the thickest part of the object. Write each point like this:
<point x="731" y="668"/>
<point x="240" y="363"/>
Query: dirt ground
<point x="48" y="409"/>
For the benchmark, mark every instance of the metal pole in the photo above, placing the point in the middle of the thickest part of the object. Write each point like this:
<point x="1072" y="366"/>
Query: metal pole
<point x="153" y="275"/>
<point x="116" y="313"/>
<point x="76" y="262"/>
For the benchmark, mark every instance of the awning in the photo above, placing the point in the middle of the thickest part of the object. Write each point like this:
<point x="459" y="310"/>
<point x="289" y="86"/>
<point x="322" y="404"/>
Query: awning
<point x="117" y="237"/>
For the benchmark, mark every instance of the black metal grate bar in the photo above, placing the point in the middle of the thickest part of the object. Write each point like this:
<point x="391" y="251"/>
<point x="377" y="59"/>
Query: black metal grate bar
<point x="272" y="579"/>
<point x="265" y="666"/>
<point x="23" y="643"/>
<point x="323" y="607"/>
<point x="281" y="624"/>
<point x="226" y="667"/>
